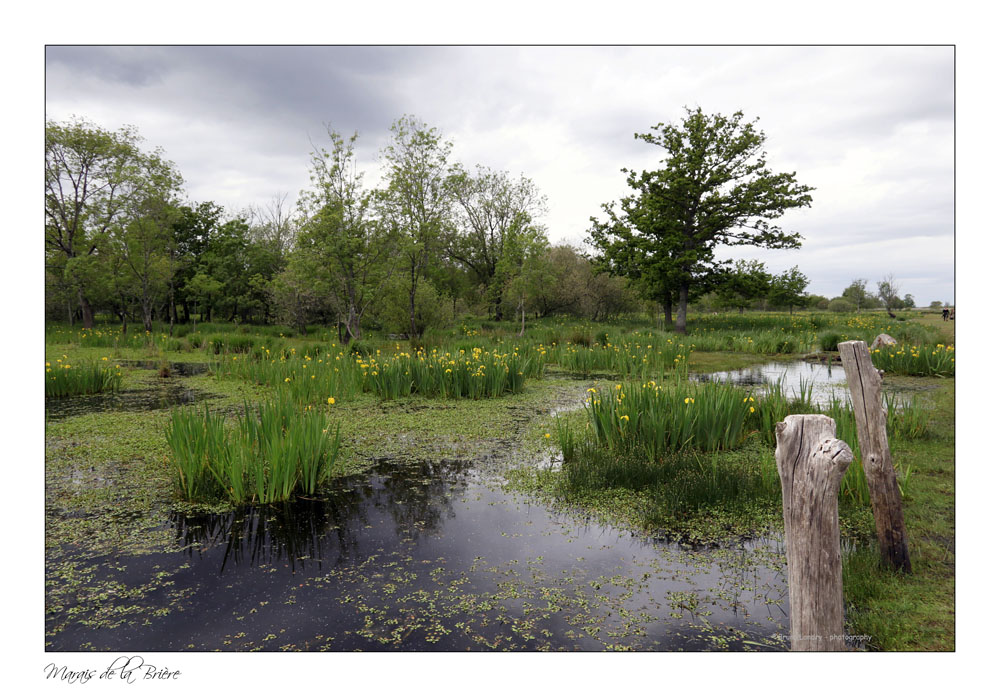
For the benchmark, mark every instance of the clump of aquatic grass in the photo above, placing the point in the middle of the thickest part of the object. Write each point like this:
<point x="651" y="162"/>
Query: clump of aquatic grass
<point x="476" y="374"/>
<point x="277" y="450"/>
<point x="656" y="419"/>
<point x="926" y="360"/>
<point x="905" y="420"/>
<point x="644" y="356"/>
<point x="771" y="408"/>
<point x="567" y="439"/>
<point x="232" y="343"/>
<point x="63" y="379"/>
<point x="828" y="341"/>
<point x="473" y="374"/>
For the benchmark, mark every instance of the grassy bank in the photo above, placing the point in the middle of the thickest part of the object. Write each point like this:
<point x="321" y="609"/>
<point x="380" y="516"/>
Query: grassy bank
<point x="914" y="612"/>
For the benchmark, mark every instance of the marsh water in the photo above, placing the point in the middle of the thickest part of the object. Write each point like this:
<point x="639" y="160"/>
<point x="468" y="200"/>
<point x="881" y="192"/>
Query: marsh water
<point x="432" y="556"/>
<point x="161" y="393"/>
<point x="822" y="380"/>
<point x="425" y="555"/>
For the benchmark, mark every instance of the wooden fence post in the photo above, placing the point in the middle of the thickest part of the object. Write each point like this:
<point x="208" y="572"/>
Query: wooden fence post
<point x="865" y="385"/>
<point x="811" y="463"/>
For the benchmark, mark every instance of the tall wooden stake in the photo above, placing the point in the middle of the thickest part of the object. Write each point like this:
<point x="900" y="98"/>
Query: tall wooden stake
<point x="811" y="463"/>
<point x="865" y="385"/>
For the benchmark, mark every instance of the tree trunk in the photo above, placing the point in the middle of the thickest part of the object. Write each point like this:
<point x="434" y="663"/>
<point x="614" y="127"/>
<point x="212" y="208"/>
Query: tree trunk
<point x="682" y="300"/>
<point x="811" y="463"/>
<point x="172" y="309"/>
<point x="865" y="385"/>
<point x="668" y="312"/>
<point x="88" y="314"/>
<point x="413" y="308"/>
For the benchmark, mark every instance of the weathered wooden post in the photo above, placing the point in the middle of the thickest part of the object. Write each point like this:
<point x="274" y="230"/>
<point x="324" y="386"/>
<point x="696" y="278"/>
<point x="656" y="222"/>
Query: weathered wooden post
<point x="811" y="463"/>
<point x="865" y="385"/>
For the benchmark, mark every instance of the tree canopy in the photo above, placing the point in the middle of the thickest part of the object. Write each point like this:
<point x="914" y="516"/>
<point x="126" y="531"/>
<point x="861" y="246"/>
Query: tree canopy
<point x="713" y="188"/>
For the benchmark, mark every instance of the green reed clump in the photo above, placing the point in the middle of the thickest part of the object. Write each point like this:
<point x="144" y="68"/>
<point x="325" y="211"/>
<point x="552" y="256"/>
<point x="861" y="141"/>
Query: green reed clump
<point x="90" y="377"/>
<point x="474" y="374"/>
<point x="277" y="450"/>
<point x="659" y="418"/>
<point x="922" y="360"/>
<point x="232" y="343"/>
<point x="828" y="341"/>
<point x="639" y="355"/>
<point x="304" y="379"/>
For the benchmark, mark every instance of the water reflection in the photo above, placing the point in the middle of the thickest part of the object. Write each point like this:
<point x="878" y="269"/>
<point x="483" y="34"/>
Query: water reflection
<point x="826" y="380"/>
<point x="401" y="500"/>
<point x="432" y="556"/>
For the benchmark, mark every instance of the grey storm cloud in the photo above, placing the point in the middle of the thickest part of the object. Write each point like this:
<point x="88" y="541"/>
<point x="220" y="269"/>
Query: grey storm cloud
<point x="872" y="128"/>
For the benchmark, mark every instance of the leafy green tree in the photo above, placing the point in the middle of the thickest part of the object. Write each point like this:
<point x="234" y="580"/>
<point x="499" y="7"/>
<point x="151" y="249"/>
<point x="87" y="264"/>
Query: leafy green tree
<point x="743" y="284"/>
<point x="492" y="208"/>
<point x="342" y="248"/>
<point x="788" y="289"/>
<point x="193" y="228"/>
<point x="713" y="188"/>
<point x="908" y="301"/>
<point x="560" y="281"/>
<point x="416" y="202"/>
<point x="523" y="260"/>
<point x="294" y="298"/>
<point x="856" y="293"/>
<point x="145" y="241"/>
<point x="91" y="177"/>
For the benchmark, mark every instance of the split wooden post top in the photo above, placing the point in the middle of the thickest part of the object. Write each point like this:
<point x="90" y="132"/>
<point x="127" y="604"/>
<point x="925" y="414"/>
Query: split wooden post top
<point x="811" y="463"/>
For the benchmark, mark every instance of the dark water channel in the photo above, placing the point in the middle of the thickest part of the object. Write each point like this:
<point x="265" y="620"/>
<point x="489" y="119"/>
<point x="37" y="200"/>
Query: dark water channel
<point x="425" y="556"/>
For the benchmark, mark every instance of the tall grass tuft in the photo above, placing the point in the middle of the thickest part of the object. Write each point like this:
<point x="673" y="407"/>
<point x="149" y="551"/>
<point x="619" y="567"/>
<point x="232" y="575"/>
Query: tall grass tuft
<point x="925" y="360"/>
<point x="277" y="450"/>
<point x="657" y="419"/>
<point x="65" y="380"/>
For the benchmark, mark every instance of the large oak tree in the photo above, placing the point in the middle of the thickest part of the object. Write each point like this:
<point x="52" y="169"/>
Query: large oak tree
<point x="713" y="188"/>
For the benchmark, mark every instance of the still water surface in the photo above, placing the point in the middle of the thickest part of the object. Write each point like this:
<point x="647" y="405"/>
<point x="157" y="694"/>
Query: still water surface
<point x="428" y="556"/>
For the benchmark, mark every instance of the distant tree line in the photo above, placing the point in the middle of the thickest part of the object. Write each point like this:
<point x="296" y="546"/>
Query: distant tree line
<point x="433" y="241"/>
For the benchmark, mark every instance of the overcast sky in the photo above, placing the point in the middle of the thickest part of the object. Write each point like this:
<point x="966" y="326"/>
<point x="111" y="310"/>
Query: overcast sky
<point x="872" y="128"/>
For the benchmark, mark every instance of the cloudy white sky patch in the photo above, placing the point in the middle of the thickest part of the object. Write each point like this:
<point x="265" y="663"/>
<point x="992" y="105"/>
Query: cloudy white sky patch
<point x="872" y="128"/>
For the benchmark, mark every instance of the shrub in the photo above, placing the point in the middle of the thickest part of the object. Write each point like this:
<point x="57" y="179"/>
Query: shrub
<point x="840" y="305"/>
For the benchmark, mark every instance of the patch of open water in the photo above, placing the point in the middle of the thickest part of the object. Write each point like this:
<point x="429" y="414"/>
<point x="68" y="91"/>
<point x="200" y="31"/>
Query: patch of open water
<point x="826" y="380"/>
<point x="161" y="394"/>
<point x="427" y="556"/>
